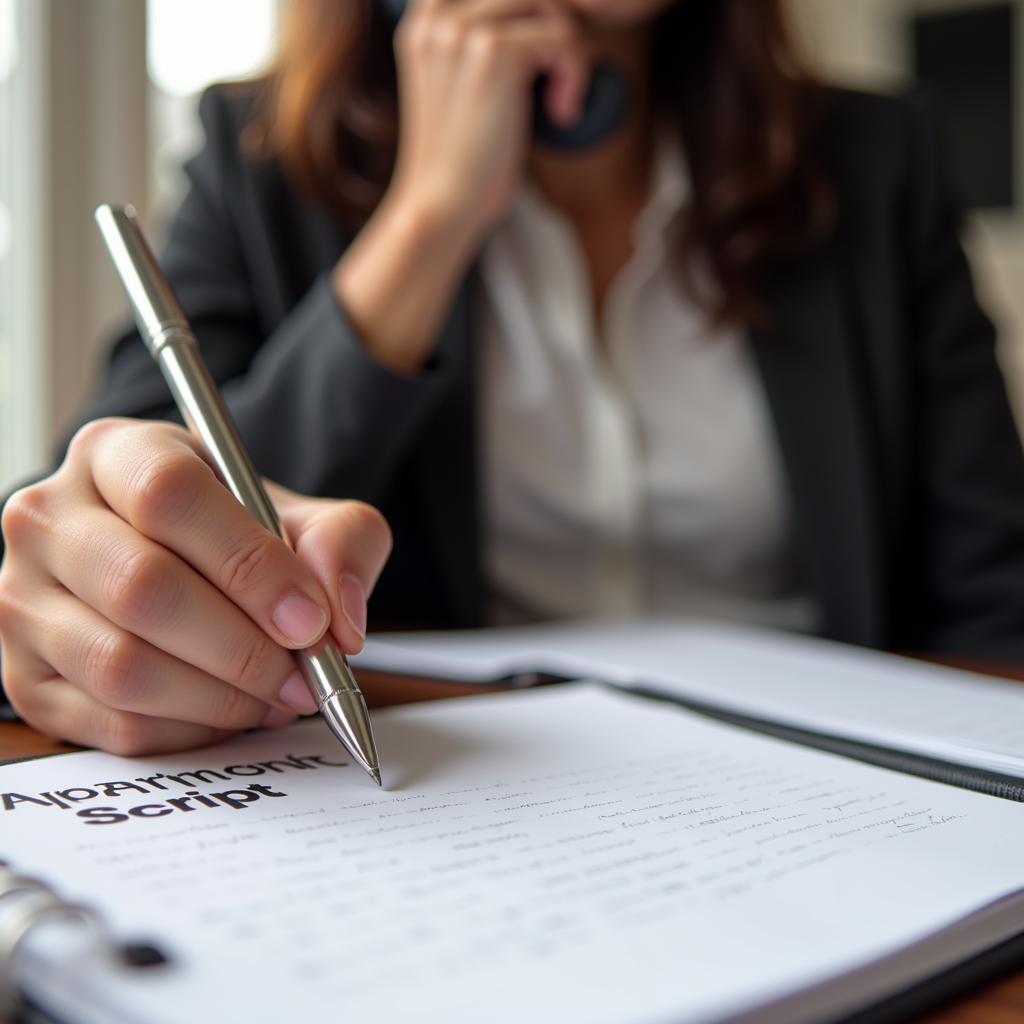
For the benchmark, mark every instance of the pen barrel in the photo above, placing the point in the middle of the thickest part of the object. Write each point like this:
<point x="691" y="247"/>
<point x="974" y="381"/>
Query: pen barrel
<point x="204" y="413"/>
<point x="169" y="338"/>
<point x="156" y="310"/>
<point x="167" y="334"/>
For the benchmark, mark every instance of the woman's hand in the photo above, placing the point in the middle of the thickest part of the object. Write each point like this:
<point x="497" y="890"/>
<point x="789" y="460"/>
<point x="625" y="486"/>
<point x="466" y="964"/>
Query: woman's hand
<point x="143" y="610"/>
<point x="465" y="69"/>
<point x="465" y="72"/>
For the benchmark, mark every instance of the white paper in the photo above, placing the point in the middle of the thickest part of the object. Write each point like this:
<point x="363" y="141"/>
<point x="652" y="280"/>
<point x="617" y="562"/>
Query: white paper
<point x="846" y="691"/>
<point x="551" y="855"/>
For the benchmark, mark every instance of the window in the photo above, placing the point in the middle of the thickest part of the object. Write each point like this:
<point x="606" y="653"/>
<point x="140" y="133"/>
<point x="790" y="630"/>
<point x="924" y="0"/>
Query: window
<point x="189" y="45"/>
<point x="22" y="440"/>
<point x="194" y="42"/>
<point x="8" y="63"/>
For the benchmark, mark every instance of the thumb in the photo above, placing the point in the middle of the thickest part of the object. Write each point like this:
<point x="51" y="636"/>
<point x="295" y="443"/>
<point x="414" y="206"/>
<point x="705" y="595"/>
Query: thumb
<point x="346" y="544"/>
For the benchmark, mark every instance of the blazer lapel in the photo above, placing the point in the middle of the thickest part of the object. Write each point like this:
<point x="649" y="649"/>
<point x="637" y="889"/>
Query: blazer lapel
<point x="816" y="392"/>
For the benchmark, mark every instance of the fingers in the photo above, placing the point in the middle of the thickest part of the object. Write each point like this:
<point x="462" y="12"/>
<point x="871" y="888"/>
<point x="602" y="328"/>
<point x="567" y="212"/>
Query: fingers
<point x="141" y="587"/>
<point x="63" y="710"/>
<point x="542" y="37"/>
<point x="121" y="671"/>
<point x="537" y="35"/>
<point x="346" y="545"/>
<point x="70" y="714"/>
<point x="167" y="493"/>
<point x="568" y="65"/>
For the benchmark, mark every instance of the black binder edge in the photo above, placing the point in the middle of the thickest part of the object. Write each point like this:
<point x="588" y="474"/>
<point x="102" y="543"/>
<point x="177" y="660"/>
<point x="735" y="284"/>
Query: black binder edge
<point x="1007" y="787"/>
<point x="939" y="990"/>
<point x="979" y="780"/>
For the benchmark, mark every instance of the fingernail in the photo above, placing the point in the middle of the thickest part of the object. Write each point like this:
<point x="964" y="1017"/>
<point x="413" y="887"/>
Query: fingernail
<point x="277" y="717"/>
<point x="295" y="693"/>
<point x="300" y="619"/>
<point x="353" y="603"/>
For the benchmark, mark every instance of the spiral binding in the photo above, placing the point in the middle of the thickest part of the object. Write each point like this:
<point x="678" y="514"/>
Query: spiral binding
<point x="26" y="902"/>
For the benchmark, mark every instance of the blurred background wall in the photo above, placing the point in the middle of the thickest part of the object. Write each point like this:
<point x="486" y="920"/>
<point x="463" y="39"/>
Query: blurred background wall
<point x="97" y="103"/>
<point x="871" y="44"/>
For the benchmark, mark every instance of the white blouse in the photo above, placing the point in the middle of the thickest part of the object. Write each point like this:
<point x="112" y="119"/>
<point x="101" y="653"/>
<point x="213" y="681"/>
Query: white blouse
<point x="633" y="474"/>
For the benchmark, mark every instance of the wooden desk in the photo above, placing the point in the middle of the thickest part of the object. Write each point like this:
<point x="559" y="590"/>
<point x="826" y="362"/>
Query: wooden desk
<point x="999" y="1003"/>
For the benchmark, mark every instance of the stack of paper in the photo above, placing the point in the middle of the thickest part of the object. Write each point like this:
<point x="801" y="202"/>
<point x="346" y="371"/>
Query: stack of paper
<point x="830" y="688"/>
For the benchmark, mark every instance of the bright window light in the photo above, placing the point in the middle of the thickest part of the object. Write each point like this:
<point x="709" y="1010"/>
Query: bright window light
<point x="8" y="39"/>
<point x="195" y="42"/>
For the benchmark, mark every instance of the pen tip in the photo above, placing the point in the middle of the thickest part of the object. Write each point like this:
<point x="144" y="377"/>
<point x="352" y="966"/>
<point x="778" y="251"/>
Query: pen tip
<point x="375" y="775"/>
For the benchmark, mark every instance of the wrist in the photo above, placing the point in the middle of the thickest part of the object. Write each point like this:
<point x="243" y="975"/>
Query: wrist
<point x="430" y="223"/>
<point x="397" y="279"/>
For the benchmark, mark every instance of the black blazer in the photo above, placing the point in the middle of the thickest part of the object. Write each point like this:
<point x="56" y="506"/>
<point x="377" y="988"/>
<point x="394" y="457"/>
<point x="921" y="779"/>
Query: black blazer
<point x="904" y="466"/>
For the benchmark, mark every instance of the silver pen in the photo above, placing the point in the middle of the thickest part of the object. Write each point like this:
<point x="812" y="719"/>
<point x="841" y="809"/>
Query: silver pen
<point x="171" y="343"/>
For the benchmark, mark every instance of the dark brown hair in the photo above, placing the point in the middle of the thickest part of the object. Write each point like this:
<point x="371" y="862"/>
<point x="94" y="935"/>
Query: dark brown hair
<point x="726" y="69"/>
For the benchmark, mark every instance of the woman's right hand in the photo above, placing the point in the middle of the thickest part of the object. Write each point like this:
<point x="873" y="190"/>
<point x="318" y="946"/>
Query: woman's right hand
<point x="465" y="71"/>
<point x="143" y="610"/>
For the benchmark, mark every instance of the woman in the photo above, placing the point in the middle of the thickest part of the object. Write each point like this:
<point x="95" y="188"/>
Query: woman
<point x="728" y="361"/>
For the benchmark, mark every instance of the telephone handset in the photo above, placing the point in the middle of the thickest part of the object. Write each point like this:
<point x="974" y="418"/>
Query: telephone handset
<point x="604" y="106"/>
